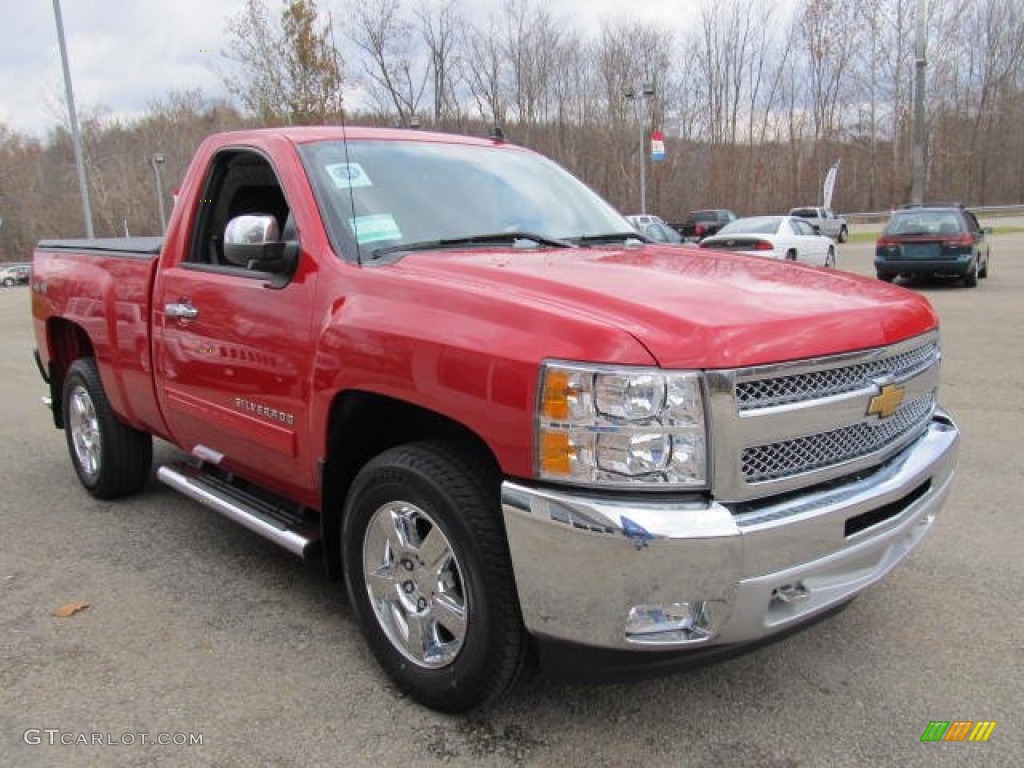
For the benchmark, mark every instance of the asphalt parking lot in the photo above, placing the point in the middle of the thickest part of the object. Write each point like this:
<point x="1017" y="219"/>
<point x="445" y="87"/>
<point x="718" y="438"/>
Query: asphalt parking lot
<point x="195" y="627"/>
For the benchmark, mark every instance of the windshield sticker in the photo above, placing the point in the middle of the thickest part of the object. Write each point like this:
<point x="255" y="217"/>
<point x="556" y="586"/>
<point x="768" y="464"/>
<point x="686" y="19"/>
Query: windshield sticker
<point x="372" y="229"/>
<point x="348" y="175"/>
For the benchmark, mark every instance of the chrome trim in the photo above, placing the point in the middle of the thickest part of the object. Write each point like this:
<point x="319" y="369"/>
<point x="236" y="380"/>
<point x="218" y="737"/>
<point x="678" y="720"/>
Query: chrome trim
<point x="583" y="561"/>
<point x="207" y="454"/>
<point x="737" y="430"/>
<point x="182" y="311"/>
<point x="774" y="386"/>
<point x="237" y="511"/>
<point x="84" y="431"/>
<point x="415" y="585"/>
<point x="837" y="447"/>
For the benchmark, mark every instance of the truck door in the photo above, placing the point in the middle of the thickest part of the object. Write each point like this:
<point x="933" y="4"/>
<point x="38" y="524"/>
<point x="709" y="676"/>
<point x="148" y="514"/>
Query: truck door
<point x="232" y="344"/>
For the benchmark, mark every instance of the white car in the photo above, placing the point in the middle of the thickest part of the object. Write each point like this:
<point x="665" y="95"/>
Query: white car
<point x="779" y="237"/>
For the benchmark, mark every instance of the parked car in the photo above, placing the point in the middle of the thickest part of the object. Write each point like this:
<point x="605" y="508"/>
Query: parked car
<point x="780" y="237"/>
<point x="655" y="228"/>
<point x="700" y="224"/>
<point x="14" y="274"/>
<point x="826" y="220"/>
<point x="933" y="240"/>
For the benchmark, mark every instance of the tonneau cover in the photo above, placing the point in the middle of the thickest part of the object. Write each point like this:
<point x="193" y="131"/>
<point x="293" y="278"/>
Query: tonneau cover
<point x="129" y="246"/>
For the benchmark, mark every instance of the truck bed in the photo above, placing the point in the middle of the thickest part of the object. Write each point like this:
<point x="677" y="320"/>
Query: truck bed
<point x="103" y="287"/>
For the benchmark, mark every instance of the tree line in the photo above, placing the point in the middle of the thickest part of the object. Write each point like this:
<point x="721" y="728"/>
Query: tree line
<point x="756" y="99"/>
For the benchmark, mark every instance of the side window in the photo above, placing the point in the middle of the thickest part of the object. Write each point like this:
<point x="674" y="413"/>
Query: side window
<point x="972" y="223"/>
<point x="239" y="182"/>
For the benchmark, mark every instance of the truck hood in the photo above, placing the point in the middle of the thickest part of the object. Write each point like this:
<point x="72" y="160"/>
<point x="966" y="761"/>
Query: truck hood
<point x="691" y="308"/>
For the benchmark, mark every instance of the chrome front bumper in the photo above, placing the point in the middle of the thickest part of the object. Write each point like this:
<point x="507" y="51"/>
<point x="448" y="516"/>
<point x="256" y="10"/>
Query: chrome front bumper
<point x="584" y="564"/>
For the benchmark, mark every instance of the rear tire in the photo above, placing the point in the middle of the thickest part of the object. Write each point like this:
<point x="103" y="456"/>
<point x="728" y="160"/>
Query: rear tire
<point x="971" y="278"/>
<point x="110" y="458"/>
<point x="984" y="270"/>
<point x="830" y="258"/>
<point x="429" y="575"/>
<point x="791" y="255"/>
<point x="886" y="277"/>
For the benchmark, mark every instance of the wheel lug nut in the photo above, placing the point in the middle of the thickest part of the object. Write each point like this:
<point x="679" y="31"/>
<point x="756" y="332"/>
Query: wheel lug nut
<point x="408" y="587"/>
<point x="407" y="564"/>
<point x="421" y="603"/>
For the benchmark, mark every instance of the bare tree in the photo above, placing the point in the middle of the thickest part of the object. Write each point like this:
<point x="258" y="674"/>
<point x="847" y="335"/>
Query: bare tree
<point x="394" y="76"/>
<point x="486" y="73"/>
<point x="441" y="30"/>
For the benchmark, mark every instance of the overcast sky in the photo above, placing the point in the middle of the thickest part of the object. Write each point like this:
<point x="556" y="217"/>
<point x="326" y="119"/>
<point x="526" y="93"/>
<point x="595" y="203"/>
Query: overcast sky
<point x="125" y="54"/>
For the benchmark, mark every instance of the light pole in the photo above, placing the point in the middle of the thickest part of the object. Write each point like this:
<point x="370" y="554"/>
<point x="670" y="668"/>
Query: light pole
<point x="157" y="160"/>
<point x="646" y="91"/>
<point x="76" y="139"/>
<point x="920" y="135"/>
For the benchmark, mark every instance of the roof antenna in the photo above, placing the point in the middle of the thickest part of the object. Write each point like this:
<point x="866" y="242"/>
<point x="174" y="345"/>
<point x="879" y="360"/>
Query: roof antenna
<point x="348" y="162"/>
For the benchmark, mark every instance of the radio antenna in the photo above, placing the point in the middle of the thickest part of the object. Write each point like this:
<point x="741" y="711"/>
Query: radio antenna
<point x="348" y="162"/>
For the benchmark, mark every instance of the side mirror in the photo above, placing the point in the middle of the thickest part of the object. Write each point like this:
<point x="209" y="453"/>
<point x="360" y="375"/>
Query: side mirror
<point x="254" y="241"/>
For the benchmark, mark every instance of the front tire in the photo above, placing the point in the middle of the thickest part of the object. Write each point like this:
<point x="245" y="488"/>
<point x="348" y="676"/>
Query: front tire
<point x="8" y="282"/>
<point x="844" y="235"/>
<point x="110" y="458"/>
<point x="830" y="258"/>
<point x="428" y="574"/>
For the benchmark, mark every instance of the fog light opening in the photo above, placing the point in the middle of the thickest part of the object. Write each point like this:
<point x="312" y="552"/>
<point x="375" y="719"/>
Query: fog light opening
<point x="790" y="593"/>
<point x="670" y="623"/>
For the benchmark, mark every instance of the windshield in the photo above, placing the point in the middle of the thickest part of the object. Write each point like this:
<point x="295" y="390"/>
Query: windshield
<point x="758" y="225"/>
<point x="385" y="194"/>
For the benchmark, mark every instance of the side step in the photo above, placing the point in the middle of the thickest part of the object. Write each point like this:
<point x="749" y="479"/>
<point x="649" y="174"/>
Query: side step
<point x="283" y="526"/>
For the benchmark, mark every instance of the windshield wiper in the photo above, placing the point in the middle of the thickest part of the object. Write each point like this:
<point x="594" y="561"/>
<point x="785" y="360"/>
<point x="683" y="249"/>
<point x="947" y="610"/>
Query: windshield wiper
<point x="611" y="237"/>
<point x="528" y="240"/>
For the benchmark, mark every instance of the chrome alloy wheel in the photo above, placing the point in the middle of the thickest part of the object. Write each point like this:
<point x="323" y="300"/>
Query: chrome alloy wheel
<point x="415" y="585"/>
<point x="85" y="431"/>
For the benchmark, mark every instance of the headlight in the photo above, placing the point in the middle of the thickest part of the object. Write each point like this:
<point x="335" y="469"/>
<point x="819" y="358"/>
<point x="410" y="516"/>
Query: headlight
<point x="613" y="426"/>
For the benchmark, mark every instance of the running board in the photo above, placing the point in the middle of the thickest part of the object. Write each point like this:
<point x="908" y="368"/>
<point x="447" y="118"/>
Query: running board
<point x="281" y="525"/>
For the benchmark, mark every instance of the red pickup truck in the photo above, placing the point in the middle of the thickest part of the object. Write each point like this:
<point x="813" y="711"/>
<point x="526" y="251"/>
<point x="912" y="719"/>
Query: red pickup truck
<point x="448" y="369"/>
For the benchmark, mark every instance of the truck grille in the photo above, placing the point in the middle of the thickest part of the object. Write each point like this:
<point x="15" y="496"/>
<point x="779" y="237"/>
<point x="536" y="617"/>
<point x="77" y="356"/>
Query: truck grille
<point x="781" y="390"/>
<point x="782" y="427"/>
<point x="806" y="454"/>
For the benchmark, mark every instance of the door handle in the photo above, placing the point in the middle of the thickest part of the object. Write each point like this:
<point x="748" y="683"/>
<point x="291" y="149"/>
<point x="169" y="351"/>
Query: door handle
<point x="181" y="310"/>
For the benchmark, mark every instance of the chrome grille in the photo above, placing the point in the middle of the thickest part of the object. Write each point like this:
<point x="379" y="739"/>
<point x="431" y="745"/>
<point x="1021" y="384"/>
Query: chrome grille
<point x="781" y="390"/>
<point x="773" y="461"/>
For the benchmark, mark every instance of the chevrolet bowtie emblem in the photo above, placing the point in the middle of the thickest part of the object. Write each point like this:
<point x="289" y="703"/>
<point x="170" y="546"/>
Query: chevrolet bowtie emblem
<point x="884" y="404"/>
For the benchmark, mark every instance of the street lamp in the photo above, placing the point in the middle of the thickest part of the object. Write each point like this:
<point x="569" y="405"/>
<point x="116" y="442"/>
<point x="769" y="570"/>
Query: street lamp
<point x="157" y="160"/>
<point x="646" y="91"/>
<point x="76" y="139"/>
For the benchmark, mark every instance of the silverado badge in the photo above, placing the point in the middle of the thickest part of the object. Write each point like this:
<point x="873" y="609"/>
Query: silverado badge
<point x="884" y="404"/>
